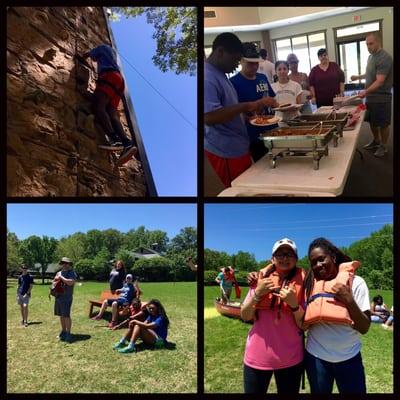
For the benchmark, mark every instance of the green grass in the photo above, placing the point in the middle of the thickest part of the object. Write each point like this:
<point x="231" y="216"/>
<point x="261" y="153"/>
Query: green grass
<point x="38" y="363"/>
<point x="225" y="342"/>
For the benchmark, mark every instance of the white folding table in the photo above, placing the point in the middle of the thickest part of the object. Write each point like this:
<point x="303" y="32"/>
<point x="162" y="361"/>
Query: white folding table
<point x="295" y="176"/>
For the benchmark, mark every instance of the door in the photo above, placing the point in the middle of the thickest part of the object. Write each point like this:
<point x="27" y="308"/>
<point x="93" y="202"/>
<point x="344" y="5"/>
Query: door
<point x="353" y="57"/>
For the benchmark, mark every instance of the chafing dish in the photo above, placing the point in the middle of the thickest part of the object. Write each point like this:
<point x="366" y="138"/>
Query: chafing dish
<point x="310" y="141"/>
<point x="331" y="118"/>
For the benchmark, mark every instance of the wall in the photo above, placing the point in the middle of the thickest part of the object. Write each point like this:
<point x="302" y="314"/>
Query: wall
<point x="52" y="136"/>
<point x="243" y="36"/>
<point x="385" y="13"/>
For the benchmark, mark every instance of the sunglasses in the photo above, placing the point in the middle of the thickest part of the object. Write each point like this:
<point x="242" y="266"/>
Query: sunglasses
<point x="151" y="308"/>
<point x="281" y="256"/>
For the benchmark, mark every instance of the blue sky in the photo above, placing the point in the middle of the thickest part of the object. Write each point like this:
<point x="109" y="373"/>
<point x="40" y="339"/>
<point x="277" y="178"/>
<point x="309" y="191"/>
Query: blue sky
<point x="256" y="227"/>
<point x="57" y="220"/>
<point x="170" y="142"/>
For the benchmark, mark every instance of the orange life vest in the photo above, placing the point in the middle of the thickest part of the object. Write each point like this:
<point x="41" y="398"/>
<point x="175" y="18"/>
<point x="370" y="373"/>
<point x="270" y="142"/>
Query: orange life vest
<point x="265" y="302"/>
<point x="230" y="277"/>
<point x="322" y="305"/>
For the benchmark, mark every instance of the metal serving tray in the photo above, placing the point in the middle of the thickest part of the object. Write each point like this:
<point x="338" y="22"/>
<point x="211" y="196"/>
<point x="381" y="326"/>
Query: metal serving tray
<point x="307" y="137"/>
<point x="334" y="118"/>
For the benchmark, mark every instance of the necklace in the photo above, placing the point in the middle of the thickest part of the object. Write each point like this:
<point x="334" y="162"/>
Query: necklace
<point x="284" y="85"/>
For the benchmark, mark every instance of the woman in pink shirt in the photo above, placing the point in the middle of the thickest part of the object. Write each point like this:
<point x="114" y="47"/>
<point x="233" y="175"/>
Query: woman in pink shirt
<point x="275" y="342"/>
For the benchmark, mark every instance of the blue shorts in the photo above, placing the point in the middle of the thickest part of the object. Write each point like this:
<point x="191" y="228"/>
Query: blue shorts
<point x="120" y="301"/>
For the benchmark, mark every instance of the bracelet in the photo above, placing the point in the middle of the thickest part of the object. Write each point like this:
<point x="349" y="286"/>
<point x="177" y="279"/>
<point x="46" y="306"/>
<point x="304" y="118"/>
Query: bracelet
<point x="294" y="309"/>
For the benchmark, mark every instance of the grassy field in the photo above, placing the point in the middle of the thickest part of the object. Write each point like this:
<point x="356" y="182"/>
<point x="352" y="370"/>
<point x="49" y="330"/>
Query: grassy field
<point x="225" y="341"/>
<point x="38" y="363"/>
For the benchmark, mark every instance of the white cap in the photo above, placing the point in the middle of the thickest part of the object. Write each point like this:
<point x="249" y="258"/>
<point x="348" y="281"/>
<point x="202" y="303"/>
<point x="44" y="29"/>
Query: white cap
<point x="284" y="242"/>
<point x="65" y="260"/>
<point x="129" y="276"/>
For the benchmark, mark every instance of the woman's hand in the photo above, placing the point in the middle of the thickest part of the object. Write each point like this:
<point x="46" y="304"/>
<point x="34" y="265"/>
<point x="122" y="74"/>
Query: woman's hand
<point x="342" y="293"/>
<point x="289" y="295"/>
<point x="264" y="286"/>
<point x="252" y="278"/>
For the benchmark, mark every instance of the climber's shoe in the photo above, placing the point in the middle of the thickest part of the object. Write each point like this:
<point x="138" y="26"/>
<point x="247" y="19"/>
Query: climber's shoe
<point x="112" y="146"/>
<point x="128" y="153"/>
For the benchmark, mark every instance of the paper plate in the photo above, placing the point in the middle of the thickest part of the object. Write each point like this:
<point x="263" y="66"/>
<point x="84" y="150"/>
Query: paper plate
<point x="272" y="121"/>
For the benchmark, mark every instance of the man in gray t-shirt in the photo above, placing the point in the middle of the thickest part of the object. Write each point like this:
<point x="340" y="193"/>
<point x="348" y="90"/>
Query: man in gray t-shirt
<point x="63" y="302"/>
<point x="378" y="87"/>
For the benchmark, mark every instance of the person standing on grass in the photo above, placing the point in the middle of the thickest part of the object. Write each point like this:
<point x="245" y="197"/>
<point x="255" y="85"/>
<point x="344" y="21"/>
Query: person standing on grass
<point x="63" y="302"/>
<point x="152" y="331"/>
<point x="191" y="264"/>
<point x="126" y="295"/>
<point x="333" y="350"/>
<point x="274" y="344"/>
<point x="117" y="276"/>
<point x="25" y="283"/>
<point x="225" y="281"/>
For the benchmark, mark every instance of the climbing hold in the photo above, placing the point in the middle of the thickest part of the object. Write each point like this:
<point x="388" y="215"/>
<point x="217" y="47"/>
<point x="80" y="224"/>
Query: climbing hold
<point x="41" y="17"/>
<point x="37" y="96"/>
<point x="64" y="35"/>
<point x="71" y="162"/>
<point x="49" y="55"/>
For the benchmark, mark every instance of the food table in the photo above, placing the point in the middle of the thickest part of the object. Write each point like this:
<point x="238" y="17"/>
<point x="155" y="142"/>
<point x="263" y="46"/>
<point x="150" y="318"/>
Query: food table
<point x="295" y="176"/>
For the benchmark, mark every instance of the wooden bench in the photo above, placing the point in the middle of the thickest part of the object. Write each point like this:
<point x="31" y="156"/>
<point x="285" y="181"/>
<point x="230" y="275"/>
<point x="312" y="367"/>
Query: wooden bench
<point x="105" y="295"/>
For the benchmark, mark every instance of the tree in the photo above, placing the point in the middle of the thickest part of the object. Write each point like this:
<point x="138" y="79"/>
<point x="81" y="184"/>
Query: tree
<point x="93" y="243"/>
<point x="155" y="269"/>
<point x="101" y="264"/>
<point x="214" y="260"/>
<point x="175" y="33"/>
<point x="244" y="261"/>
<point x="38" y="250"/>
<point x="112" y="240"/>
<point x="126" y="257"/>
<point x="84" y="268"/>
<point x="14" y="259"/>
<point x="71" y="247"/>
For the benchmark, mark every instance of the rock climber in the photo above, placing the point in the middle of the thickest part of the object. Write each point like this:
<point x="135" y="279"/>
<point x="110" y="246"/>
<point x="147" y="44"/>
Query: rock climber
<point x="110" y="87"/>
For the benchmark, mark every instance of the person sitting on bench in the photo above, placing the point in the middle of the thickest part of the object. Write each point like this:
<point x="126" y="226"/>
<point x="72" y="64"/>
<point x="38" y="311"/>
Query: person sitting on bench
<point x="109" y="90"/>
<point x="126" y="294"/>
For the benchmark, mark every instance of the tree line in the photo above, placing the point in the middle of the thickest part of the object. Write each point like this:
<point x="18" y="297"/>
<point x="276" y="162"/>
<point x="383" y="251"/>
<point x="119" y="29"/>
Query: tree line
<point x="91" y="253"/>
<point x="375" y="253"/>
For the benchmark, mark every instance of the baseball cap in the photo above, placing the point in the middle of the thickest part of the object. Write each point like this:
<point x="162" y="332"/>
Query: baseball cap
<point x="65" y="260"/>
<point x="284" y="242"/>
<point x="129" y="276"/>
<point x="292" y="58"/>
<point x="250" y="53"/>
<point x="23" y="266"/>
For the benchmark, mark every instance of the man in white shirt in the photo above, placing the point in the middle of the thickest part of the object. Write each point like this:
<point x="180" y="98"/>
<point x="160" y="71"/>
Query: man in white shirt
<point x="266" y="67"/>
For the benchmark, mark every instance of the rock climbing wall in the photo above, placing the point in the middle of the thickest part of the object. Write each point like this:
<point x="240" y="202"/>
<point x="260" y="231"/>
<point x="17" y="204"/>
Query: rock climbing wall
<point x="52" y="136"/>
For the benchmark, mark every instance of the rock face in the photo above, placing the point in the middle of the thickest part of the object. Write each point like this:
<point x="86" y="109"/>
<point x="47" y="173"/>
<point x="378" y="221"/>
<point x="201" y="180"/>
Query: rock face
<point x="52" y="135"/>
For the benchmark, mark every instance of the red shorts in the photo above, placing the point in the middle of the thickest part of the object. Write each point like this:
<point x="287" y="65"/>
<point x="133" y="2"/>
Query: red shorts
<point x="115" y="79"/>
<point x="229" y="168"/>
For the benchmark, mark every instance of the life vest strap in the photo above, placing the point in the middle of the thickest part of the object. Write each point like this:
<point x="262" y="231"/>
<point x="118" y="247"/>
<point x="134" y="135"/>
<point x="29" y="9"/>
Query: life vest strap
<point x="315" y="296"/>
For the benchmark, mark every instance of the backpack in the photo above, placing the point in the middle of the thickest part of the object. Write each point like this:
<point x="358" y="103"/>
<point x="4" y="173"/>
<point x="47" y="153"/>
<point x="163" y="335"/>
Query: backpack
<point x="57" y="288"/>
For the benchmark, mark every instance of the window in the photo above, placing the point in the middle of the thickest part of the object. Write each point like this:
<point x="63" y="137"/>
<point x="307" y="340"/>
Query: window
<point x="304" y="46"/>
<point x="352" y="52"/>
<point x="357" y="29"/>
